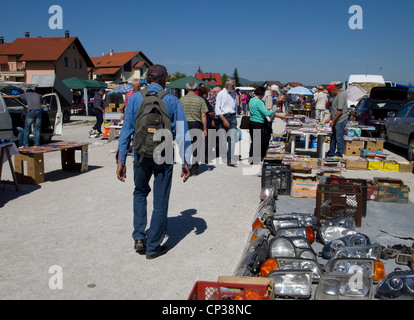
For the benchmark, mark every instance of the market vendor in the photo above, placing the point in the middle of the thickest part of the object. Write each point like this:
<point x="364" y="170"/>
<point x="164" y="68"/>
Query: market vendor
<point x="337" y="121"/>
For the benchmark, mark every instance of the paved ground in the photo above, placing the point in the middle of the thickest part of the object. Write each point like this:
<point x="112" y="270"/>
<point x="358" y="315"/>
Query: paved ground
<point x="81" y="225"/>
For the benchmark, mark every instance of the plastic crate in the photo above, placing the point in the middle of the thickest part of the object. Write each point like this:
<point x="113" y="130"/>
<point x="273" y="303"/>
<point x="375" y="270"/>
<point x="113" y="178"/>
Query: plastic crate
<point x="352" y="181"/>
<point x="206" y="290"/>
<point x="277" y="175"/>
<point x="340" y="201"/>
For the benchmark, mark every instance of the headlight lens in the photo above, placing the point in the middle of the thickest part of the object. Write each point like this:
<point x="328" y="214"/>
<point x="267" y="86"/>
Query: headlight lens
<point x="281" y="247"/>
<point x="366" y="252"/>
<point x="297" y="284"/>
<point x="335" y="228"/>
<point x="371" y="267"/>
<point x="300" y="265"/>
<point x="398" y="284"/>
<point x="305" y="232"/>
<point x="267" y="192"/>
<point x="344" y="287"/>
<point x="353" y="240"/>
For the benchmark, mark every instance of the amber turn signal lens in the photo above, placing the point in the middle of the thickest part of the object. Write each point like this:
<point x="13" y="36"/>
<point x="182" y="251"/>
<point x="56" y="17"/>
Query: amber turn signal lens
<point x="379" y="272"/>
<point x="257" y="224"/>
<point x="310" y="234"/>
<point x="267" y="266"/>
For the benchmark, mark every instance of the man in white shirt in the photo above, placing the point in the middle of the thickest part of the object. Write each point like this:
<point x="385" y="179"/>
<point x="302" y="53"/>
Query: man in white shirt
<point x="226" y="109"/>
<point x="321" y="98"/>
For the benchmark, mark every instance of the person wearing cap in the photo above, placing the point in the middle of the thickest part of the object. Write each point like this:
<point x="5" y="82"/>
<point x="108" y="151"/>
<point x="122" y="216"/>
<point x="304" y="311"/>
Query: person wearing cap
<point x="270" y="100"/>
<point x="337" y="121"/>
<point x="320" y="99"/>
<point x="149" y="242"/>
<point x="99" y="106"/>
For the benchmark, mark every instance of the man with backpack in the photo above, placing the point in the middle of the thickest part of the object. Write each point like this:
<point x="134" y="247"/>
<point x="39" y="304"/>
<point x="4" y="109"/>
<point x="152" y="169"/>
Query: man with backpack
<point x="155" y="118"/>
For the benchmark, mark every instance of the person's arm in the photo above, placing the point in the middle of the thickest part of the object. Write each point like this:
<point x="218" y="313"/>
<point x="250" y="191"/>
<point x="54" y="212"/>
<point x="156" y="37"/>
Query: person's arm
<point x="204" y="121"/>
<point x="337" y="116"/>
<point x="11" y="97"/>
<point x="219" y="111"/>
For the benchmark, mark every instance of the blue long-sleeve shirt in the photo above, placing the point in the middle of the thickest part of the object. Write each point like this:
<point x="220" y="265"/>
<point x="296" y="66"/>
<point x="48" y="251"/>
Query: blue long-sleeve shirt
<point x="178" y="123"/>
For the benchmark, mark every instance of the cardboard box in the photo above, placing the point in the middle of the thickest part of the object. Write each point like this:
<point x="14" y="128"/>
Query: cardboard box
<point x="372" y="193"/>
<point x="376" y="165"/>
<point x="353" y="147"/>
<point x="405" y="167"/>
<point x="252" y="280"/>
<point x="304" y="189"/>
<point x="391" y="166"/>
<point x="356" y="164"/>
<point x="392" y="190"/>
<point x="373" y="146"/>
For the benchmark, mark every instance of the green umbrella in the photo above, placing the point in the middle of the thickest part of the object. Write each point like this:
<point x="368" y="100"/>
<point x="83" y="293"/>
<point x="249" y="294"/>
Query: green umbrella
<point x="77" y="83"/>
<point x="180" y="83"/>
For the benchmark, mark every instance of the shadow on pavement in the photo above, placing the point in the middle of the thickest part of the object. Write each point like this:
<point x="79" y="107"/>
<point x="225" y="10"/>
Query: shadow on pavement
<point x="58" y="175"/>
<point x="8" y="191"/>
<point x="179" y="227"/>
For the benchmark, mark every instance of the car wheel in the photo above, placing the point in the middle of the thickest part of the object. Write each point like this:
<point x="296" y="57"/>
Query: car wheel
<point x="411" y="149"/>
<point x="66" y="117"/>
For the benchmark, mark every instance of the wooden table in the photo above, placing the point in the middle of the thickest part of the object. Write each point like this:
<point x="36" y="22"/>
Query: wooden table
<point x="34" y="157"/>
<point x="8" y="149"/>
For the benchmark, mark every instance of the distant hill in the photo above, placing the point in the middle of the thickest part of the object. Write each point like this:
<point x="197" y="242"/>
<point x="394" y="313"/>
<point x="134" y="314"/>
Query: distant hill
<point x="245" y="82"/>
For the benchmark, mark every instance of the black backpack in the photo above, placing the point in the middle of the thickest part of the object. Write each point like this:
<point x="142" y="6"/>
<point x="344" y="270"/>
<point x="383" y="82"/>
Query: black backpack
<point x="152" y="116"/>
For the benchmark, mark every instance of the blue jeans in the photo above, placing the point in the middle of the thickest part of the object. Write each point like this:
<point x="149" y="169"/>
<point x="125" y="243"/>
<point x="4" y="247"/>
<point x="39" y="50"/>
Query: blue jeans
<point x="231" y="137"/>
<point x="337" y="140"/>
<point x="162" y="187"/>
<point x="36" y="117"/>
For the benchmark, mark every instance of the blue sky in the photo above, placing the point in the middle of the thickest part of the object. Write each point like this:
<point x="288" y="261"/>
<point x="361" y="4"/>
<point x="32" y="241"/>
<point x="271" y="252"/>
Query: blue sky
<point x="302" y="40"/>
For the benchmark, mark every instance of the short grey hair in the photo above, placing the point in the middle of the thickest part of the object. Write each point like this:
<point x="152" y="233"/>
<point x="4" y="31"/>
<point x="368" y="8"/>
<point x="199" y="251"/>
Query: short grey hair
<point x="135" y="81"/>
<point x="191" y="85"/>
<point x="230" y="80"/>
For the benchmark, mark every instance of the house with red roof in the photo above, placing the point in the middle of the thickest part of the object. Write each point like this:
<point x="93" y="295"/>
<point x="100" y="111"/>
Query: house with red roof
<point x="120" y="66"/>
<point x="26" y="56"/>
<point x="213" y="78"/>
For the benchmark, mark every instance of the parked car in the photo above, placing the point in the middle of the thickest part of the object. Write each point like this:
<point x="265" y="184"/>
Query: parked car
<point x="373" y="110"/>
<point x="13" y="114"/>
<point x="399" y="129"/>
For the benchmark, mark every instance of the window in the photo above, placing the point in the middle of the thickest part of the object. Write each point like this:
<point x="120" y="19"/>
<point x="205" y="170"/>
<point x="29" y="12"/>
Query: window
<point x="402" y="113"/>
<point x="65" y="62"/>
<point x="80" y="64"/>
<point x="75" y="63"/>
<point x="128" y="67"/>
<point x="411" y="114"/>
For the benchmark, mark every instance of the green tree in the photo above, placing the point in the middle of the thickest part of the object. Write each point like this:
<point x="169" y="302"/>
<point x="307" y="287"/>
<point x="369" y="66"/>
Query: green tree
<point x="236" y="77"/>
<point x="175" y="76"/>
<point x="224" y="78"/>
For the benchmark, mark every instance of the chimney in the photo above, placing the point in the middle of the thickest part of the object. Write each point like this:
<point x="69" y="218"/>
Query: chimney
<point x="111" y="53"/>
<point x="27" y="34"/>
<point x="67" y="34"/>
<point x="1" y="40"/>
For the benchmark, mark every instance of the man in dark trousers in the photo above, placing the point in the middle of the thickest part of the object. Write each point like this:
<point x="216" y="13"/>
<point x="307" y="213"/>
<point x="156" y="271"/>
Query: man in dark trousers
<point x="99" y="106"/>
<point x="34" y="115"/>
<point x="149" y="242"/>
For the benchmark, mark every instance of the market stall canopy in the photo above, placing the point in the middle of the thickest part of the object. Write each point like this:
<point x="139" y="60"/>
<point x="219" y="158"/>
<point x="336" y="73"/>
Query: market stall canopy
<point x="180" y="83"/>
<point x="355" y="92"/>
<point x="77" y="83"/>
<point x="300" y="90"/>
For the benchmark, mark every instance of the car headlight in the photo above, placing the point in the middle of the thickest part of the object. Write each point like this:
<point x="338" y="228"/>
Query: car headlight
<point x="305" y="232"/>
<point x="344" y="287"/>
<point x="281" y="247"/>
<point x="253" y="256"/>
<point x="367" y="252"/>
<point x="300" y="265"/>
<point x="372" y="267"/>
<point x="352" y="240"/>
<point x="294" y="284"/>
<point x="304" y="219"/>
<point x="398" y="284"/>
<point x="265" y="210"/>
<point x="257" y="233"/>
<point x="335" y="228"/>
<point x="267" y="192"/>
<point x="330" y="233"/>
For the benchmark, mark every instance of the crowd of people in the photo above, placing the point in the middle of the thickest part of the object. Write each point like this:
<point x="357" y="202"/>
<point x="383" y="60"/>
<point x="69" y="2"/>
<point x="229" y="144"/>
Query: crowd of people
<point x="199" y="113"/>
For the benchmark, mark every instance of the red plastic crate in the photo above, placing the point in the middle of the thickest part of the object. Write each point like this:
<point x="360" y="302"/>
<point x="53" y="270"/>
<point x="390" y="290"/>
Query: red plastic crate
<point x="206" y="290"/>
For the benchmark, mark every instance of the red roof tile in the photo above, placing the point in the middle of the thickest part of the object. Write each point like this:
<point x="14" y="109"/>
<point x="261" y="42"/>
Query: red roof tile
<point x="213" y="78"/>
<point x="117" y="59"/>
